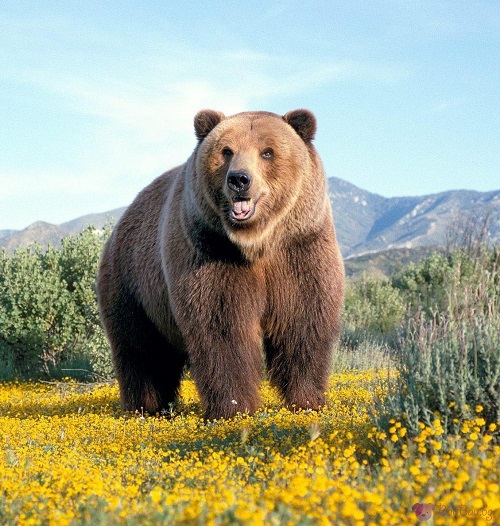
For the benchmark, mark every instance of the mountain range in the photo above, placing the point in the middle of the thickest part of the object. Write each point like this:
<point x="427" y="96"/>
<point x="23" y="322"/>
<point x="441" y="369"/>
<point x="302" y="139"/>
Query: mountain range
<point x="365" y="222"/>
<point x="368" y="222"/>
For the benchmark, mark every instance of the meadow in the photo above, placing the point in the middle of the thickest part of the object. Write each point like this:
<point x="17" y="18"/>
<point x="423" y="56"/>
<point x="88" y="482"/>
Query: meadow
<point x="71" y="457"/>
<point x="412" y="413"/>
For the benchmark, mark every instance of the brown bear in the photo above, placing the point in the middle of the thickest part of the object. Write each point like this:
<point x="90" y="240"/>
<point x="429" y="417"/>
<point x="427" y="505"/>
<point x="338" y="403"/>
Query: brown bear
<point x="224" y="264"/>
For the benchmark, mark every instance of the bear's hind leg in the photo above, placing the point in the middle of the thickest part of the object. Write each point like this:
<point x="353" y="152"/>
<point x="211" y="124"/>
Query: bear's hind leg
<point x="152" y="388"/>
<point x="147" y="367"/>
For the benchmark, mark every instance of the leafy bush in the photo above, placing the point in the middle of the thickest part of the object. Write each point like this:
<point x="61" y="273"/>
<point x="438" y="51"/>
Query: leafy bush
<point x="424" y="285"/>
<point x="48" y="308"/>
<point x="450" y="360"/>
<point x="79" y="258"/>
<point x="372" y="307"/>
<point x="440" y="281"/>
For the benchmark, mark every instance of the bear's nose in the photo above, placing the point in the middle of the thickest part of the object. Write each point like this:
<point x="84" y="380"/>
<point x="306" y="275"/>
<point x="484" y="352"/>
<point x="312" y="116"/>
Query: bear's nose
<point x="238" y="180"/>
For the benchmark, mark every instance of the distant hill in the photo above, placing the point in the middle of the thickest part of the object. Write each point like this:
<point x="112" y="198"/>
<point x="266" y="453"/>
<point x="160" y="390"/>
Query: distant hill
<point x="44" y="234"/>
<point x="98" y="220"/>
<point x="366" y="223"/>
<point x="6" y="233"/>
<point x="384" y="263"/>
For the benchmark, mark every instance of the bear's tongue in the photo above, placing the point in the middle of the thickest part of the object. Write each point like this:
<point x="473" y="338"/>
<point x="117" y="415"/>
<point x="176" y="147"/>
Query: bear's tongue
<point x="242" y="207"/>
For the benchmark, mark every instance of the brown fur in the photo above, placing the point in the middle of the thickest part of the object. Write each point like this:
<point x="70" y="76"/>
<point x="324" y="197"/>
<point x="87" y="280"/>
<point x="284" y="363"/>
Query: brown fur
<point x="182" y="282"/>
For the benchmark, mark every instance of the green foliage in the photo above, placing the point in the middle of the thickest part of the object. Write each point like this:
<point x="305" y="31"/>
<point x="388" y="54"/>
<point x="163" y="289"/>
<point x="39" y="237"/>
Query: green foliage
<point x="440" y="281"/>
<point x="450" y="359"/>
<point x="79" y="258"/>
<point x="372" y="306"/>
<point x="423" y="285"/>
<point x="48" y="308"/>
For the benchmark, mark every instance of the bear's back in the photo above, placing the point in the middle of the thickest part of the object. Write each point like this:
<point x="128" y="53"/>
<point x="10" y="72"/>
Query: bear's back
<point x="133" y="250"/>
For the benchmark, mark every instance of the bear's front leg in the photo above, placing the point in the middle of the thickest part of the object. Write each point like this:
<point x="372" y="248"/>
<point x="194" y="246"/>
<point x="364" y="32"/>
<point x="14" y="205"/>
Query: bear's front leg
<point x="227" y="374"/>
<point x="302" y="325"/>
<point x="218" y="309"/>
<point x="300" y="368"/>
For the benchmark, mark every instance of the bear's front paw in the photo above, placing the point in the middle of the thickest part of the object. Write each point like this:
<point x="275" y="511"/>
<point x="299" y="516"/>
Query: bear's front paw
<point x="229" y="409"/>
<point x="312" y="402"/>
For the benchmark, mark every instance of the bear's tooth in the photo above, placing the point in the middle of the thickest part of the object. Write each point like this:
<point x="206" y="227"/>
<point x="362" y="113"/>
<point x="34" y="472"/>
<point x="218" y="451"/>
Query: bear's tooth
<point x="245" y="205"/>
<point x="237" y="207"/>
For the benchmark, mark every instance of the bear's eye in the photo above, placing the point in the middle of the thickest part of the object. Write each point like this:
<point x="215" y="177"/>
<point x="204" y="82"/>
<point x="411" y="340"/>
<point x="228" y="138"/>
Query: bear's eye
<point x="227" y="152"/>
<point x="267" y="154"/>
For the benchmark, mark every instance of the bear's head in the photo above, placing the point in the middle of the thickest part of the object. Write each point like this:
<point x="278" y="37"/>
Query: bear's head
<point x="253" y="167"/>
<point x="423" y="511"/>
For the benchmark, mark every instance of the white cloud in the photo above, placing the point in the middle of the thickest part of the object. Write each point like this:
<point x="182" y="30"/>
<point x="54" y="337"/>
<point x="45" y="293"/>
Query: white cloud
<point x="142" y="124"/>
<point x="446" y="105"/>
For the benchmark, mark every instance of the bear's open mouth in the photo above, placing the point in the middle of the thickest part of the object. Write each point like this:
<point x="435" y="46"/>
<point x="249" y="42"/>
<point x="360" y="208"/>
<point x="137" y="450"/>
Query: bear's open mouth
<point x="243" y="208"/>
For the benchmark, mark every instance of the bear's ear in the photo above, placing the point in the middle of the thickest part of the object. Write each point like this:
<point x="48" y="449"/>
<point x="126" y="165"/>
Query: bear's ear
<point x="205" y="121"/>
<point x="303" y="122"/>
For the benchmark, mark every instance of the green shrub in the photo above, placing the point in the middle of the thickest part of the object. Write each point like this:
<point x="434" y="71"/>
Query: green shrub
<point x="366" y="354"/>
<point x="48" y="308"/>
<point x="424" y="286"/>
<point x="79" y="259"/>
<point x="372" y="307"/>
<point x="450" y="360"/>
<point x="440" y="281"/>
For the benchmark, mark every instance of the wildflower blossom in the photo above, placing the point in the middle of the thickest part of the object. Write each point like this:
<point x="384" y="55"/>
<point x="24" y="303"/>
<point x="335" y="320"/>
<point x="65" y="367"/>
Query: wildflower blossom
<point x="69" y="456"/>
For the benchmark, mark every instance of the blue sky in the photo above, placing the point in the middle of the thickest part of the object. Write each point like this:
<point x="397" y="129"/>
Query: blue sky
<point x="97" y="97"/>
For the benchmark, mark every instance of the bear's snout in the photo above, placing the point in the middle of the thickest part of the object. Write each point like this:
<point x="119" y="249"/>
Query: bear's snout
<point x="242" y="202"/>
<point x="238" y="180"/>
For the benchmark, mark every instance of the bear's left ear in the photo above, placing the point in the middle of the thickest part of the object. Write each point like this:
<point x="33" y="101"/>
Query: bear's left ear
<point x="303" y="122"/>
<point x="205" y="121"/>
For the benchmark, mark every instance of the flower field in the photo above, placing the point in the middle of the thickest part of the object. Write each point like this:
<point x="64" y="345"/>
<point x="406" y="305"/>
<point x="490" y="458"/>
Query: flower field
<point x="69" y="456"/>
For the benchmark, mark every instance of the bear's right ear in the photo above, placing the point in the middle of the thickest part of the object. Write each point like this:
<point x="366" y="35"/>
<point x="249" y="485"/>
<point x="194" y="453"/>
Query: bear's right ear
<point x="205" y="121"/>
